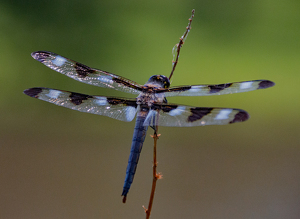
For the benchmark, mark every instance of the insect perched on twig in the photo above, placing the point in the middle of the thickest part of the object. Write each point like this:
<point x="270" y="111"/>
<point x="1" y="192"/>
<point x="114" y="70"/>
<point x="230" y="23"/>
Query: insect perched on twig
<point x="150" y="105"/>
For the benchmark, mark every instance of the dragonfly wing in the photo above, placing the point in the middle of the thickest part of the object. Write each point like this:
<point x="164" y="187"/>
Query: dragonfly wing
<point x="187" y="116"/>
<point x="218" y="89"/>
<point x="85" y="74"/>
<point x="117" y="108"/>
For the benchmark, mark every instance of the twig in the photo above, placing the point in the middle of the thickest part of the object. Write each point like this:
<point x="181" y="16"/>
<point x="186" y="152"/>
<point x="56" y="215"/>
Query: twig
<point x="176" y="48"/>
<point x="156" y="175"/>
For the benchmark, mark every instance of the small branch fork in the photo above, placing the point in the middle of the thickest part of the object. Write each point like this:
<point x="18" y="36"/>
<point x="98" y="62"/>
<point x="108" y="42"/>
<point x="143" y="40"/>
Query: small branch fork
<point x="176" y="48"/>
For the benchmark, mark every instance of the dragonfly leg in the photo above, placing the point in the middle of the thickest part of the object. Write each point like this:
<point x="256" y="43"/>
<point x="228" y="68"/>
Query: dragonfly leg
<point x="154" y="128"/>
<point x="154" y="123"/>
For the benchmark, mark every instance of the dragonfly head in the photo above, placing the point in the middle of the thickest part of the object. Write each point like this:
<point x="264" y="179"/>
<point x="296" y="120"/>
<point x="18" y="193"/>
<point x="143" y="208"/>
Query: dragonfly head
<point x="160" y="80"/>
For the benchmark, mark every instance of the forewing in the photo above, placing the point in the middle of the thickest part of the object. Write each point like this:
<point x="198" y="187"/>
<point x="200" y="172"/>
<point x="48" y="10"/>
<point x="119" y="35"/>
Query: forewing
<point x="187" y="116"/>
<point x="218" y="89"/>
<point x="86" y="74"/>
<point x="117" y="108"/>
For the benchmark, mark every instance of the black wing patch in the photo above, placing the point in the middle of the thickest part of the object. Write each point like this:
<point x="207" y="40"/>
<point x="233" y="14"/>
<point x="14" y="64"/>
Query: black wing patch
<point x="198" y="113"/>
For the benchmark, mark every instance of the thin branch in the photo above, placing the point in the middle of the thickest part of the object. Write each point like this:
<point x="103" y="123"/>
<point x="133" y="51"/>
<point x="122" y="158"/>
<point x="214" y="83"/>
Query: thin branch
<point x="176" y="48"/>
<point x="156" y="175"/>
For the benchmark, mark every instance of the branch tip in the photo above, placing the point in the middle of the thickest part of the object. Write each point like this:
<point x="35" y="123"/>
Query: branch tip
<point x="178" y="46"/>
<point x="145" y="209"/>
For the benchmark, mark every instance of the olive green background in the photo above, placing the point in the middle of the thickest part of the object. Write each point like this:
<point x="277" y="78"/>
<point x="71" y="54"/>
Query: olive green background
<point x="59" y="163"/>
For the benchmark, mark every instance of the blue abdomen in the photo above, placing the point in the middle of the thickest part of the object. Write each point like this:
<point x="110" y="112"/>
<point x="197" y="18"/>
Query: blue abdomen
<point x="139" y="135"/>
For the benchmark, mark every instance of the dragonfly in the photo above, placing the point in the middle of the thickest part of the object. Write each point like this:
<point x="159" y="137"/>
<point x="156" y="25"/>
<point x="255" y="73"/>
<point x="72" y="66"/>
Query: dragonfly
<point x="150" y="107"/>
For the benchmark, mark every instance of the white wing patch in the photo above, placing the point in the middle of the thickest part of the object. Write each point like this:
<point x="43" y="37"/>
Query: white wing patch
<point x="59" y="61"/>
<point x="246" y="85"/>
<point x="178" y="111"/>
<point x="130" y="113"/>
<point x="106" y="79"/>
<point x="53" y="94"/>
<point x="196" y="88"/>
<point x="149" y="119"/>
<point x="223" y="114"/>
<point x="101" y="101"/>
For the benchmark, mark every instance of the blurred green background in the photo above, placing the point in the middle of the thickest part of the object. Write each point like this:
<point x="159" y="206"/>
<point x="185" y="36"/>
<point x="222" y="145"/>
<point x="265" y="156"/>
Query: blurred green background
<point x="59" y="163"/>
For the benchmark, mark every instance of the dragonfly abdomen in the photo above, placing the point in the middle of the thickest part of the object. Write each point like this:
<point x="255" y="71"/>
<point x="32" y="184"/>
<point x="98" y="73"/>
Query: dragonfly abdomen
<point x="139" y="135"/>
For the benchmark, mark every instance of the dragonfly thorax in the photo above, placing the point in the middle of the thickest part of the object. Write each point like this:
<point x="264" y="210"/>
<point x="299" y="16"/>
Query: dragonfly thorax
<point x="149" y="98"/>
<point x="149" y="95"/>
<point x="159" y="81"/>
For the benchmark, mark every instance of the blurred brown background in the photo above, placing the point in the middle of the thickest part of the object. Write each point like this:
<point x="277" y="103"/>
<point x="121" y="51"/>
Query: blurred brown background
<point x="59" y="163"/>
